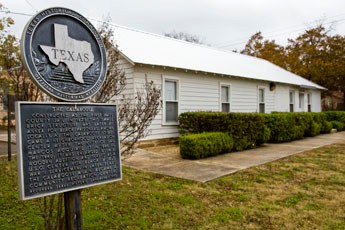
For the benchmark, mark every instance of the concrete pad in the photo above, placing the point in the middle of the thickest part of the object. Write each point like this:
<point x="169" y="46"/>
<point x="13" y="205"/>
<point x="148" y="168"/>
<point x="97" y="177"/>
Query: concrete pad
<point x="214" y="167"/>
<point x="195" y="171"/>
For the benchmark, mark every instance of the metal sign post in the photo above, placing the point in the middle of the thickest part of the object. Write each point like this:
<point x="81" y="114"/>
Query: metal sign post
<point x="65" y="146"/>
<point x="9" y="150"/>
<point x="73" y="209"/>
<point x="10" y="100"/>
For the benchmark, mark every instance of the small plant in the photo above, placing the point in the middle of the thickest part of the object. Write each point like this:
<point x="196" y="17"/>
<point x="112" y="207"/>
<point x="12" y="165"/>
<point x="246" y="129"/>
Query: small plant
<point x="197" y="146"/>
<point x="338" y="125"/>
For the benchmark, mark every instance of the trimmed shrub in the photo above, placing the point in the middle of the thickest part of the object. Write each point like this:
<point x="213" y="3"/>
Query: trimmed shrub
<point x="197" y="146"/>
<point x="292" y="126"/>
<point x="267" y="135"/>
<point x="321" y="119"/>
<point x="335" y="116"/>
<point x="326" y="127"/>
<point x="298" y="132"/>
<point x="282" y="127"/>
<point x="314" y="129"/>
<point x="338" y="125"/>
<point x="249" y="130"/>
<point x="246" y="129"/>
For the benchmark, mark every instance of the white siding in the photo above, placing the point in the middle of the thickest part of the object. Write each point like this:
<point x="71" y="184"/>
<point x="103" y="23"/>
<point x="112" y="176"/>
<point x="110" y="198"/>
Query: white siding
<point x="201" y="92"/>
<point x="281" y="94"/>
<point x="128" y="69"/>
<point x="198" y="93"/>
<point x="282" y="98"/>
<point x="315" y="101"/>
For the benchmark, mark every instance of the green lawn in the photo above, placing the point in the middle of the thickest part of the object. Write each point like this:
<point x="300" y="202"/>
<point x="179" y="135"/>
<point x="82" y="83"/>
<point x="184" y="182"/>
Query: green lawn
<point x="305" y="191"/>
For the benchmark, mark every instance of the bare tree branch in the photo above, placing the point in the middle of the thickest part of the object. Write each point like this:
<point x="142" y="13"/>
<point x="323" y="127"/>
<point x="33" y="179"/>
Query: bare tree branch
<point x="136" y="111"/>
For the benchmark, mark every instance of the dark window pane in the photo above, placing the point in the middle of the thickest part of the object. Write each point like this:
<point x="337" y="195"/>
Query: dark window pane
<point x="262" y="108"/>
<point x="171" y="111"/>
<point x="225" y="107"/>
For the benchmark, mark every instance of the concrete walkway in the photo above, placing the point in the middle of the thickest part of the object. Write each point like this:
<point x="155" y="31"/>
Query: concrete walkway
<point x="214" y="167"/>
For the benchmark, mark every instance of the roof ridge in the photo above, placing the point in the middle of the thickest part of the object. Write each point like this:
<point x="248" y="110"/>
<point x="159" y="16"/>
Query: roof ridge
<point x="175" y="39"/>
<point x="156" y="49"/>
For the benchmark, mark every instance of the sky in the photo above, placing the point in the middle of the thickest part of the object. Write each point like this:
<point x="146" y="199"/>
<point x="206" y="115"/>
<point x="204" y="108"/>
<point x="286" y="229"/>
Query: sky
<point x="224" y="24"/>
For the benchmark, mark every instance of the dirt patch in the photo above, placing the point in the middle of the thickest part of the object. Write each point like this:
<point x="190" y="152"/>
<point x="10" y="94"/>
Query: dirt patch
<point x="167" y="150"/>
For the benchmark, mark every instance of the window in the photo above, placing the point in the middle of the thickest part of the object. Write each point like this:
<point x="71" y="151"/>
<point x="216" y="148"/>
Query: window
<point x="171" y="101"/>
<point x="261" y="100"/>
<point x="292" y="100"/>
<point x="301" y="101"/>
<point x="225" y="98"/>
<point x="309" y="102"/>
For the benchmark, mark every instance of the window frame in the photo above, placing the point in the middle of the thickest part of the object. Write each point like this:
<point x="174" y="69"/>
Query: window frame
<point x="263" y="102"/>
<point x="177" y="99"/>
<point x="309" y="101"/>
<point x="301" y="103"/>
<point x="221" y="102"/>
<point x="292" y="102"/>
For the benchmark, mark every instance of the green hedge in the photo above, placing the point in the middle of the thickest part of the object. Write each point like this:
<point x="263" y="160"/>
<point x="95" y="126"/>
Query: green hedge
<point x="249" y="130"/>
<point x="321" y="119"/>
<point x="338" y="125"/>
<point x="246" y="129"/>
<point x="292" y="126"/>
<point x="197" y="146"/>
<point x="334" y="117"/>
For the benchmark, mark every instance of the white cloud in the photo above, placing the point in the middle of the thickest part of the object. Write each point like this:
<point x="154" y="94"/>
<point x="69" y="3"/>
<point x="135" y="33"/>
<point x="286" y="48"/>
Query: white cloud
<point x="216" y="21"/>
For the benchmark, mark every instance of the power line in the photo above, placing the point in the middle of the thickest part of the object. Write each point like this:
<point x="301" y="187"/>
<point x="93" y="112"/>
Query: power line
<point x="27" y="1"/>
<point x="276" y="34"/>
<point x="217" y="45"/>
<point x="91" y="19"/>
<point x="16" y="13"/>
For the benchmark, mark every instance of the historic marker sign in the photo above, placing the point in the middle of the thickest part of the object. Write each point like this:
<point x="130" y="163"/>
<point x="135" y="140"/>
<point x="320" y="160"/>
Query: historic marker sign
<point x="64" y="54"/>
<point x="66" y="146"/>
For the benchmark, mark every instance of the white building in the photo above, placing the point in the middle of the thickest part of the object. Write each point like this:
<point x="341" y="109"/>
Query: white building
<point x="200" y="78"/>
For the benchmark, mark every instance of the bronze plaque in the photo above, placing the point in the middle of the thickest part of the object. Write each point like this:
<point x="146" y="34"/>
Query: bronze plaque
<point x="64" y="54"/>
<point x="66" y="146"/>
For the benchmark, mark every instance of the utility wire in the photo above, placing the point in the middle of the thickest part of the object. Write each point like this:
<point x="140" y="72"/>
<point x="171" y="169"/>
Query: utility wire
<point x="217" y="45"/>
<point x="27" y="1"/>
<point x="16" y="13"/>
<point x="286" y="29"/>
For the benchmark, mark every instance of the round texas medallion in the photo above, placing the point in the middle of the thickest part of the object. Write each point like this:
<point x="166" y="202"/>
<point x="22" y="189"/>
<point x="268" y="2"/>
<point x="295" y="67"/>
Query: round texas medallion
<point x="64" y="54"/>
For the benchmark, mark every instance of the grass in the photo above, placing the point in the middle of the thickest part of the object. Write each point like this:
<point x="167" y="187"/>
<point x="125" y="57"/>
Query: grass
<point x="305" y="191"/>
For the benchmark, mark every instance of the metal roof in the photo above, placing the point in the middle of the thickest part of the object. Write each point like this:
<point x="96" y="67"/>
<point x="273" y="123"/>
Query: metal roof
<point x="152" y="49"/>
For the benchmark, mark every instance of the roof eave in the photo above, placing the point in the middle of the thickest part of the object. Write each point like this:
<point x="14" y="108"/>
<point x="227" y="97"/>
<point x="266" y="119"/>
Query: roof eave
<point x="312" y="87"/>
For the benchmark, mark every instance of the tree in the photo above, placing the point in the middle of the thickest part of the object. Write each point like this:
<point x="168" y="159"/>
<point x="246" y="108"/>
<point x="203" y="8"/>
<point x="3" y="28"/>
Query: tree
<point x="184" y="36"/>
<point x="336" y="62"/>
<point x="14" y="78"/>
<point x="315" y="55"/>
<point x="265" y="49"/>
<point x="318" y="56"/>
<point x="308" y="55"/>
<point x="254" y="45"/>
<point x="136" y="111"/>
